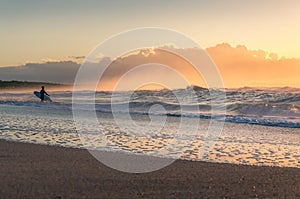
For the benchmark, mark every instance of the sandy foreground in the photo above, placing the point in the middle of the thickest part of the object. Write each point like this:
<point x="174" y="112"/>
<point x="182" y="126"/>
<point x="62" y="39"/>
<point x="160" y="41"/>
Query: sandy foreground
<point x="37" y="171"/>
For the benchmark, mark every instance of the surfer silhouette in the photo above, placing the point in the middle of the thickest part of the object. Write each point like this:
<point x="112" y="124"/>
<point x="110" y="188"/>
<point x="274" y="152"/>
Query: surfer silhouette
<point x="43" y="92"/>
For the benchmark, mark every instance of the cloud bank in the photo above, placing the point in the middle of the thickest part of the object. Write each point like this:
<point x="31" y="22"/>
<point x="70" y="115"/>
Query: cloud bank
<point x="238" y="67"/>
<point x="56" y="72"/>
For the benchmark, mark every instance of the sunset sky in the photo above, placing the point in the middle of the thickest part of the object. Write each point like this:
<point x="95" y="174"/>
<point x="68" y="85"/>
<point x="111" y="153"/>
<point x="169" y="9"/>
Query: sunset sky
<point x="56" y="31"/>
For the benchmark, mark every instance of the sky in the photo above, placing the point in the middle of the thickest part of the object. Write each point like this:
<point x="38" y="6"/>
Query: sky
<point x="35" y="31"/>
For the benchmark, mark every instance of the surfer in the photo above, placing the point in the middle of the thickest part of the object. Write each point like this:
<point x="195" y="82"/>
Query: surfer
<point x="43" y="92"/>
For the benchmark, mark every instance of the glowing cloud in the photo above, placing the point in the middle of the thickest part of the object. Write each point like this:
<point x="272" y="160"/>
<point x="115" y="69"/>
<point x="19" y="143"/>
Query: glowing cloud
<point x="242" y="67"/>
<point x="238" y="67"/>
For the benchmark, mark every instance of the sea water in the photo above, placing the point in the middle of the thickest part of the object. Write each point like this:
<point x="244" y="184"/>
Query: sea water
<point x="262" y="126"/>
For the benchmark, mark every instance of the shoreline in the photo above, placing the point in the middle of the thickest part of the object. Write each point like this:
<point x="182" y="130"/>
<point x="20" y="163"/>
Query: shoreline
<point x="42" y="171"/>
<point x="159" y="157"/>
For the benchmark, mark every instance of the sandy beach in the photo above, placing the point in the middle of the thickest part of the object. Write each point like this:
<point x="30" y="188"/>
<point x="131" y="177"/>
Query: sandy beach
<point x="40" y="171"/>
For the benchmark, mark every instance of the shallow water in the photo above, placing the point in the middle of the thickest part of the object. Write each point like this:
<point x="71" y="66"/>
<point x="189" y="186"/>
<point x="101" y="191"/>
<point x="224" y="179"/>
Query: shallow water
<point x="269" y="107"/>
<point x="52" y="124"/>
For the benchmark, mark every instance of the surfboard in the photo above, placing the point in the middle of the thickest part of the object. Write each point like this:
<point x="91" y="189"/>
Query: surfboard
<point x="38" y="95"/>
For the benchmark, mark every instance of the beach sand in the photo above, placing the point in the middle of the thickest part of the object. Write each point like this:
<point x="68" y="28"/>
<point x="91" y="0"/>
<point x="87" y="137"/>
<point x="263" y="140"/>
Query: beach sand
<point x="40" y="171"/>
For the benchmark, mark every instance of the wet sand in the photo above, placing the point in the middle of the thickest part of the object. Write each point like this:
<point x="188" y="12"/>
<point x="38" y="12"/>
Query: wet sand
<point x="37" y="171"/>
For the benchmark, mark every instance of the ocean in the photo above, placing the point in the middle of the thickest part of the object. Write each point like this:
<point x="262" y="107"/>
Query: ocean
<point x="260" y="126"/>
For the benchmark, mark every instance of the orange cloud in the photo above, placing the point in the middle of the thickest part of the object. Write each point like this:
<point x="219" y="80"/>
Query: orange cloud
<point x="240" y="66"/>
<point x="179" y="69"/>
